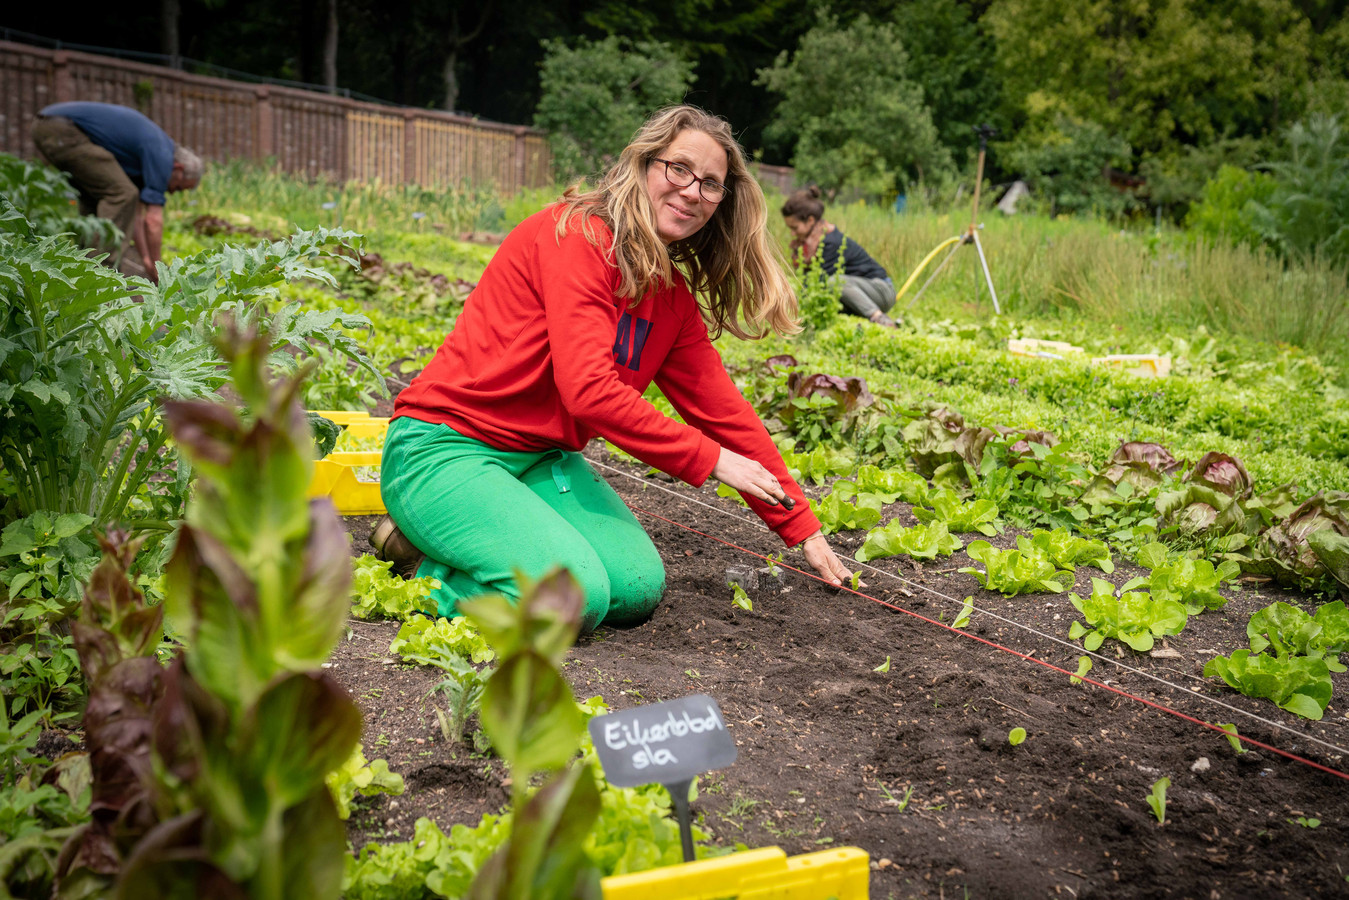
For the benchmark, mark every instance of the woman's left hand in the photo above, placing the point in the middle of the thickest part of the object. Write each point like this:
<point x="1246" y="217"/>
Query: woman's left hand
<point x="824" y="561"/>
<point x="744" y="474"/>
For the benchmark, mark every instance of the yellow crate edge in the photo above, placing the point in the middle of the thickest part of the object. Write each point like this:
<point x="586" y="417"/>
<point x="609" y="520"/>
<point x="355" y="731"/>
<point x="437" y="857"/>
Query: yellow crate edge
<point x="354" y="457"/>
<point x="763" y="874"/>
<point x="367" y="428"/>
<point x="843" y="873"/>
<point x="345" y="416"/>
<point x="708" y="878"/>
<point x="1144" y="364"/>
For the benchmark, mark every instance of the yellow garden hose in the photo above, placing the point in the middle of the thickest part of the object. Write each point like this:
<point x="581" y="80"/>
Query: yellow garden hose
<point x="922" y="265"/>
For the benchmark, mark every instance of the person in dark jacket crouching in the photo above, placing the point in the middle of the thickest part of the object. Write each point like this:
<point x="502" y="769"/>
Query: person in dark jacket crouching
<point x="123" y="165"/>
<point x="867" y="288"/>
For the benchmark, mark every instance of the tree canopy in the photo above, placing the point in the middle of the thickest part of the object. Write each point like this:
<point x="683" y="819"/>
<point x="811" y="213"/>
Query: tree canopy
<point x="874" y="94"/>
<point x="858" y="119"/>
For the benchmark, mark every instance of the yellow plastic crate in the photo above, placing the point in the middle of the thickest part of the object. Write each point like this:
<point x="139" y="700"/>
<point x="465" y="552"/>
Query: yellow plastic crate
<point x="1042" y="349"/>
<point x="764" y="874"/>
<point x="335" y="477"/>
<point x="1148" y="365"/>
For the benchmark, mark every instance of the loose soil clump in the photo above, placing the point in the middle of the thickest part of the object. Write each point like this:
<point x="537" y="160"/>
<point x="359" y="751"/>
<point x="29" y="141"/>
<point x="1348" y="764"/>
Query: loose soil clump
<point x="913" y="764"/>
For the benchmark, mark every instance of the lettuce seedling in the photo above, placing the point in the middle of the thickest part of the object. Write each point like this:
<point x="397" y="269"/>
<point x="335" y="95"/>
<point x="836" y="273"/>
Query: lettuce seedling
<point x="1134" y="617"/>
<point x="1334" y="621"/>
<point x="963" y="617"/>
<point x="919" y="542"/>
<point x="1299" y="684"/>
<point x="820" y="464"/>
<point x="740" y="598"/>
<point x="1233" y="737"/>
<point x="1016" y="737"/>
<point x="1157" y="799"/>
<point x="979" y="515"/>
<point x="1083" y="667"/>
<point x="1010" y="572"/>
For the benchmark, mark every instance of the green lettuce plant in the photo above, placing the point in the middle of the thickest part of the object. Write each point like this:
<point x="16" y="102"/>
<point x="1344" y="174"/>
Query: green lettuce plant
<point x="376" y="593"/>
<point x="1193" y="583"/>
<point x="836" y="512"/>
<point x="1025" y="570"/>
<point x="1134" y="617"/>
<point x="919" y="542"/>
<point x="1299" y="684"/>
<point x="440" y="642"/>
<point x="819" y="464"/>
<point x="361" y="777"/>
<point x="892" y="484"/>
<point x="1292" y="632"/>
<point x="1068" y="551"/>
<point x="978" y="515"/>
<point x="1157" y="799"/>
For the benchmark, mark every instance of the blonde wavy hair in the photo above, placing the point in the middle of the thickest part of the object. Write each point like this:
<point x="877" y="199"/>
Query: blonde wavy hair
<point x="730" y="264"/>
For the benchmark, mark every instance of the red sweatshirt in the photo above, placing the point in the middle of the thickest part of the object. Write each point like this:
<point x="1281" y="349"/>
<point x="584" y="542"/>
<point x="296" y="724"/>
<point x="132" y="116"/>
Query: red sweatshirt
<point x="546" y="355"/>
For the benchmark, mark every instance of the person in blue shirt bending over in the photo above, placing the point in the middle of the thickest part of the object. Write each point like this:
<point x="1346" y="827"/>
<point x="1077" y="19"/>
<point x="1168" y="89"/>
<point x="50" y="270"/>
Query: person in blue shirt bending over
<point x="867" y="288"/>
<point x="119" y="161"/>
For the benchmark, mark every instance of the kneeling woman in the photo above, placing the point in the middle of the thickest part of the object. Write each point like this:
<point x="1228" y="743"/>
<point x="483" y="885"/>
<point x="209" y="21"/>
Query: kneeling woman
<point x="584" y="305"/>
<point x="867" y="288"/>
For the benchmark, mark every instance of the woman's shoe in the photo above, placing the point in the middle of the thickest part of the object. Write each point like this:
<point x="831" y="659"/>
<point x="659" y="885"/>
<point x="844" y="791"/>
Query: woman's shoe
<point x="391" y="545"/>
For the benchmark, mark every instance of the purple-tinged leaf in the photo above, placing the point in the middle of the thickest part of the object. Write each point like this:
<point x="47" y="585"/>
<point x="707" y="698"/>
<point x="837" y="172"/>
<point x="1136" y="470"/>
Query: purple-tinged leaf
<point x="1223" y="473"/>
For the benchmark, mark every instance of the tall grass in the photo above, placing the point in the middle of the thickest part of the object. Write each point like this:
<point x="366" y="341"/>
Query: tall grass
<point x="1063" y="268"/>
<point x="371" y="208"/>
<point x="1072" y="267"/>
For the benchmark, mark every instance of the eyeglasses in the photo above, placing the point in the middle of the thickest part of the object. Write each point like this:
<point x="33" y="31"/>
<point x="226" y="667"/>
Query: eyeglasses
<point x="681" y="176"/>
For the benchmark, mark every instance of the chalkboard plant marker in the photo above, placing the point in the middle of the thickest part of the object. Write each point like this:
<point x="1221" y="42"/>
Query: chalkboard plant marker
<point x="664" y="743"/>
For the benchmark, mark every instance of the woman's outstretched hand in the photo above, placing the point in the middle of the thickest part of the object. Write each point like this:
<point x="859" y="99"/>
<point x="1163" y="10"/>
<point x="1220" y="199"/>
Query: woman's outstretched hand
<point x="744" y="474"/>
<point x="823" y="559"/>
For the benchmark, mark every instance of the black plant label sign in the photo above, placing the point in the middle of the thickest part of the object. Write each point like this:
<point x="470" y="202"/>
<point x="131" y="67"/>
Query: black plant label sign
<point x="662" y="743"/>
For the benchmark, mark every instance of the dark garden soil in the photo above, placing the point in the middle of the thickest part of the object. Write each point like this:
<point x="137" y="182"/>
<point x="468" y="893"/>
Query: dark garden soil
<point x="913" y="765"/>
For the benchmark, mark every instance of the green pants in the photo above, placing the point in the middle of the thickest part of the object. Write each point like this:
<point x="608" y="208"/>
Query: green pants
<point x="479" y="514"/>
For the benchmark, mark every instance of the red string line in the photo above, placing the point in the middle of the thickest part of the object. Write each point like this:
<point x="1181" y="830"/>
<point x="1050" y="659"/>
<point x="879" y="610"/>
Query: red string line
<point x="994" y="644"/>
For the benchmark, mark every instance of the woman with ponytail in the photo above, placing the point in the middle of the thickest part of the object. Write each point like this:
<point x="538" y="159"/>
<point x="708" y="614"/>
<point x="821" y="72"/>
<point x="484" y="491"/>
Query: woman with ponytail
<point x="867" y="288"/>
